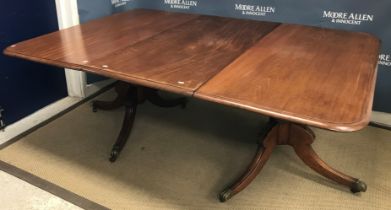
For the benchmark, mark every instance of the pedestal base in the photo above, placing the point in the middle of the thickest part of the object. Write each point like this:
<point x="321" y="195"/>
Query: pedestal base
<point x="300" y="138"/>
<point x="130" y="96"/>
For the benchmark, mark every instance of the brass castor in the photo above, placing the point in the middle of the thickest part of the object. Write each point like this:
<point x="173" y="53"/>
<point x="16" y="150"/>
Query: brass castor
<point x="225" y="195"/>
<point x="113" y="156"/>
<point x="358" y="186"/>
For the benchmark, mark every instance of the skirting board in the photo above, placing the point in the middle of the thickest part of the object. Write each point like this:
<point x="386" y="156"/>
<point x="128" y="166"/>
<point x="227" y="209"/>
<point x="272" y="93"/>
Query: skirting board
<point x="381" y="119"/>
<point x="48" y="113"/>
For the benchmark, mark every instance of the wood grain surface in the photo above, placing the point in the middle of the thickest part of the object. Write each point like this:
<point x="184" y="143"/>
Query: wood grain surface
<point x="170" y="51"/>
<point x="309" y="75"/>
<point x="183" y="58"/>
<point x="76" y="46"/>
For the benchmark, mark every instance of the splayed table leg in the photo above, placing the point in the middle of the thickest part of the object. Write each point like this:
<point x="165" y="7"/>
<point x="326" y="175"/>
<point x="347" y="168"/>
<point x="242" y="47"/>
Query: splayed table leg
<point x="300" y="137"/>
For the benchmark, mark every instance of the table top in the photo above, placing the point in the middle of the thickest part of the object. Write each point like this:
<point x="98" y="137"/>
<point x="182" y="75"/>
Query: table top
<point x="169" y="51"/>
<point x="185" y="57"/>
<point x="76" y="46"/>
<point x="309" y="75"/>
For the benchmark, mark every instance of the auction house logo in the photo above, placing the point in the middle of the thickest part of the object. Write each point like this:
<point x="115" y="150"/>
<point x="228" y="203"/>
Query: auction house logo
<point x="254" y="10"/>
<point x="385" y="59"/>
<point x="347" y="18"/>
<point x="118" y="3"/>
<point x="181" y="4"/>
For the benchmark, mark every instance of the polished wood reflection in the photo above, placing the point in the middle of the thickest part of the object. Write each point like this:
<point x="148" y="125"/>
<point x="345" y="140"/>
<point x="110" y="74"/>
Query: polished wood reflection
<point x="76" y="46"/>
<point x="169" y="51"/>
<point x="183" y="58"/>
<point x="309" y="75"/>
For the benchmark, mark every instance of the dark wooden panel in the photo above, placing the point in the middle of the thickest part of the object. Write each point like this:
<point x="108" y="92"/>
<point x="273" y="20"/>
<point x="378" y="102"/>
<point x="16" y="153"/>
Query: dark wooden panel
<point x="78" y="45"/>
<point x="309" y="75"/>
<point x="182" y="58"/>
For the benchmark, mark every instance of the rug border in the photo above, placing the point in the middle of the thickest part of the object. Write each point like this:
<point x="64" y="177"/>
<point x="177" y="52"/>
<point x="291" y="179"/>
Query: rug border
<point x="42" y="183"/>
<point x="50" y="187"/>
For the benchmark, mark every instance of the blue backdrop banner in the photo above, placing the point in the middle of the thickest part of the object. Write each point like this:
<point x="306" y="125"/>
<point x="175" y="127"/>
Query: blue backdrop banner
<point x="352" y="15"/>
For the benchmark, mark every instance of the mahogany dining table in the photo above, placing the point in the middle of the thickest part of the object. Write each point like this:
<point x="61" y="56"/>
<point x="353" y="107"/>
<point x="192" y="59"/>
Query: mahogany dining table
<point x="298" y="76"/>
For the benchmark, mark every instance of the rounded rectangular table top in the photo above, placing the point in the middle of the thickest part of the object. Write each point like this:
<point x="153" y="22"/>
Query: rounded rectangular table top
<point x="308" y="75"/>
